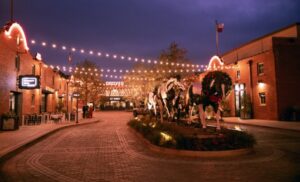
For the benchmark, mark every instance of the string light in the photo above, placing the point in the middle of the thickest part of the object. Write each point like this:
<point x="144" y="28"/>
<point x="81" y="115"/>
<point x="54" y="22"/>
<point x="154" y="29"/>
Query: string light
<point x="95" y="73"/>
<point x="116" y="56"/>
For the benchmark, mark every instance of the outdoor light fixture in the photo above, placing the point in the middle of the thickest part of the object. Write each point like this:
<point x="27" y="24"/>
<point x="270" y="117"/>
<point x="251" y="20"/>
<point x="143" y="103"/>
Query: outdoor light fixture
<point x="261" y="84"/>
<point x="38" y="56"/>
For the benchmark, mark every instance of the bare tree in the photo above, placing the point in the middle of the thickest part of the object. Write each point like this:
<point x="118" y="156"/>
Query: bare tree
<point x="87" y="81"/>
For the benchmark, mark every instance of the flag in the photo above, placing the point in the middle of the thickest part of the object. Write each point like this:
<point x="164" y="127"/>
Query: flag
<point x="69" y="58"/>
<point x="220" y="27"/>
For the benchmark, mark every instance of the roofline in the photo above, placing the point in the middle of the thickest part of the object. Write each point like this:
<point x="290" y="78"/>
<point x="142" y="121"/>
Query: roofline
<point x="261" y="37"/>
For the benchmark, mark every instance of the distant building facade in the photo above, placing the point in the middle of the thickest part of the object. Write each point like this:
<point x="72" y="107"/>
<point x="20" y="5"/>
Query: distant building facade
<point x="15" y="61"/>
<point x="268" y="69"/>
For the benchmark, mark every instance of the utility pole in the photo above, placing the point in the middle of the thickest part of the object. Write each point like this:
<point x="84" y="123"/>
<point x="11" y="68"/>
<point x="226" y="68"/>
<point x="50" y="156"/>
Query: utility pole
<point x="219" y="29"/>
<point x="217" y="38"/>
<point x="68" y="80"/>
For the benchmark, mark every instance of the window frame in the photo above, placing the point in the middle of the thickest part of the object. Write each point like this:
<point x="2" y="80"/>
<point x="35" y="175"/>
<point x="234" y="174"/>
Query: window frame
<point x="260" y="96"/>
<point x="17" y="62"/>
<point x="259" y="68"/>
<point x="33" y="71"/>
<point x="238" y="74"/>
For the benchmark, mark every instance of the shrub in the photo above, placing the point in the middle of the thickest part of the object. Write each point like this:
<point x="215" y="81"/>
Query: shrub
<point x="224" y="140"/>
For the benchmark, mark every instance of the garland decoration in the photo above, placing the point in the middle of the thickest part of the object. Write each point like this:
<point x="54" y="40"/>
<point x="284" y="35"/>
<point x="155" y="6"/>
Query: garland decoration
<point x="219" y="78"/>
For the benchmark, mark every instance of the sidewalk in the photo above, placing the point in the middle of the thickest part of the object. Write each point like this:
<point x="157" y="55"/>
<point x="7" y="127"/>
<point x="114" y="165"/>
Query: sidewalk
<point x="264" y="123"/>
<point x="11" y="141"/>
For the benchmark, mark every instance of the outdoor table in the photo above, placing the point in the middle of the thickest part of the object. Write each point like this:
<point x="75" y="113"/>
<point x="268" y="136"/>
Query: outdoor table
<point x="56" y="117"/>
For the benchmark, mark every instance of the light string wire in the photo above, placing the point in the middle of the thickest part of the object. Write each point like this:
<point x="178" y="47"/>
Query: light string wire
<point x="112" y="56"/>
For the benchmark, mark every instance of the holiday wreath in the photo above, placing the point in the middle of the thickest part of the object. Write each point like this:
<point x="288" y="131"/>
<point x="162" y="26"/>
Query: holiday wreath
<point x="213" y="90"/>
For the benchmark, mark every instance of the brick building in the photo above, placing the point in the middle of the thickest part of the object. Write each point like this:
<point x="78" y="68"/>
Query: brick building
<point x="268" y="69"/>
<point x="16" y="60"/>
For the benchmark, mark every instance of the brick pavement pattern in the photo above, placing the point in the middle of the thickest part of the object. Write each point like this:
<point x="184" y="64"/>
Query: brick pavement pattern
<point x="108" y="151"/>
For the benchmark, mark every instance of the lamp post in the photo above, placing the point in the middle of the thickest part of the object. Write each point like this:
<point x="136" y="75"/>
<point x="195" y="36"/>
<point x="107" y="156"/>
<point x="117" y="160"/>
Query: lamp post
<point x="67" y="100"/>
<point x="76" y="95"/>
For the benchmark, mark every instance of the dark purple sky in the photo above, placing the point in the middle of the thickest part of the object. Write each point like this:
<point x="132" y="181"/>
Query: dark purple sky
<point x="144" y="28"/>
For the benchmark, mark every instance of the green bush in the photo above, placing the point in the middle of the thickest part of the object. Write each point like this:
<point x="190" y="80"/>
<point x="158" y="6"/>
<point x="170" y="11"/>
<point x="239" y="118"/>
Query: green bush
<point x="224" y="140"/>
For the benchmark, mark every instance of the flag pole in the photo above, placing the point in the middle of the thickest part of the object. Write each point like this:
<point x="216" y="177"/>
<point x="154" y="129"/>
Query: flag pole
<point x="11" y="10"/>
<point x="217" y="38"/>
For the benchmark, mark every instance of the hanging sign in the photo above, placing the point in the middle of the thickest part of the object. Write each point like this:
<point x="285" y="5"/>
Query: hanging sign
<point x="110" y="83"/>
<point x="29" y="82"/>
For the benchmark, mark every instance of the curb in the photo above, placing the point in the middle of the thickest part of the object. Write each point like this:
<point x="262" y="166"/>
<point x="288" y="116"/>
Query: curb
<point x="190" y="153"/>
<point x="17" y="149"/>
<point x="264" y="126"/>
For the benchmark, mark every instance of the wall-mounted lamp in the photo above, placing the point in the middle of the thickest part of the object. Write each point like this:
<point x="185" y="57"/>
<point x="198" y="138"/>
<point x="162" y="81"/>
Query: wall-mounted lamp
<point x="261" y="84"/>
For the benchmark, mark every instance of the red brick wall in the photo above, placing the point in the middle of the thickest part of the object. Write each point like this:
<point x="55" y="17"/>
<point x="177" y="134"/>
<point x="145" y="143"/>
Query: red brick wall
<point x="268" y="111"/>
<point x="9" y="74"/>
<point x="287" y="51"/>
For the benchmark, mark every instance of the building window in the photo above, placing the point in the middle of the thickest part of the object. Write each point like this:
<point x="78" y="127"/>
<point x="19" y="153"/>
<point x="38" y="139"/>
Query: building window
<point x="53" y="80"/>
<point x="262" y="98"/>
<point x="238" y="74"/>
<point x="12" y="102"/>
<point x="17" y="62"/>
<point x="260" y="68"/>
<point x="32" y="99"/>
<point x="33" y="70"/>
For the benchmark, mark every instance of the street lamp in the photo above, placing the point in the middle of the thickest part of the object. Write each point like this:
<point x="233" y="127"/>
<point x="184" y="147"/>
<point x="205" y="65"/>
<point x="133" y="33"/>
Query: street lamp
<point x="68" y="114"/>
<point x="76" y="95"/>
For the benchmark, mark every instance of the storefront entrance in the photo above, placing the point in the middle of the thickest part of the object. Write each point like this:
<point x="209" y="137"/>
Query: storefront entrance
<point x="15" y="104"/>
<point x="44" y="103"/>
<point x="239" y="91"/>
<point x="115" y="103"/>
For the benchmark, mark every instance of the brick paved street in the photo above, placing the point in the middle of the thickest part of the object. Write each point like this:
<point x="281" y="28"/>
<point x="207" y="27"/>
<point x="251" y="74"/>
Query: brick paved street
<point x="108" y="151"/>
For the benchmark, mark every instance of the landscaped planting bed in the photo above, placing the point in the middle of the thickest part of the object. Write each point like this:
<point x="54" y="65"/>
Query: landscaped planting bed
<point x="182" y="136"/>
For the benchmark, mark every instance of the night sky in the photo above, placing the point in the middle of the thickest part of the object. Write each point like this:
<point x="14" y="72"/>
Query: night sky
<point x="144" y="28"/>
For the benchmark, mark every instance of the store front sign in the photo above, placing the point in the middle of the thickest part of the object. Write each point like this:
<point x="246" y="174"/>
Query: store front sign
<point x="29" y="82"/>
<point x="115" y="98"/>
<point x="110" y="83"/>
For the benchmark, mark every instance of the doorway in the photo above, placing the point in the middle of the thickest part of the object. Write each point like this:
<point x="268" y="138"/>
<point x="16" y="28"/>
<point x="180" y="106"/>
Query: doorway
<point x="44" y="103"/>
<point x="239" y="91"/>
<point x="15" y="104"/>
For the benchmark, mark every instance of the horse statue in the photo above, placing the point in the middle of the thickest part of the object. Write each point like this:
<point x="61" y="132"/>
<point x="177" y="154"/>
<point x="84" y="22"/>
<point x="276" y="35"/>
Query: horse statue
<point x="152" y="102"/>
<point x="216" y="86"/>
<point x="194" y="97"/>
<point x="166" y="96"/>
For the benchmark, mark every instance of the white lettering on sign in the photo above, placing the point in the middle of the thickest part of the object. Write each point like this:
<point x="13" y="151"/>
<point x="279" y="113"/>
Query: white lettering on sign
<point x="29" y="82"/>
<point x="114" y="83"/>
<point x="114" y="98"/>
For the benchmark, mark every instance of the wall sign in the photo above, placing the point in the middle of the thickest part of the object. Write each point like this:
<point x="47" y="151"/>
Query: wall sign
<point x="114" y="98"/>
<point x="29" y="82"/>
<point x="110" y="83"/>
